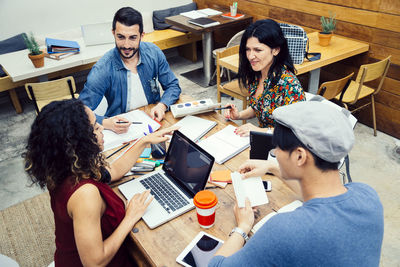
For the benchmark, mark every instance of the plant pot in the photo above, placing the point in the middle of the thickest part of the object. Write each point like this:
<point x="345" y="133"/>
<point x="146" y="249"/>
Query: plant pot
<point x="324" y="38"/>
<point x="37" y="60"/>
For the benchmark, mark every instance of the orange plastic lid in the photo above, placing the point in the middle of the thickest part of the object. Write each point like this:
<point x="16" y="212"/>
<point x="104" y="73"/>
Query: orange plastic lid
<point x="205" y="199"/>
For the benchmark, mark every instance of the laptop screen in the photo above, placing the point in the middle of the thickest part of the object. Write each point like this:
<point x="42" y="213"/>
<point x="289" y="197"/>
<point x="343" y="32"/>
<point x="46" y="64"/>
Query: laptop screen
<point x="187" y="163"/>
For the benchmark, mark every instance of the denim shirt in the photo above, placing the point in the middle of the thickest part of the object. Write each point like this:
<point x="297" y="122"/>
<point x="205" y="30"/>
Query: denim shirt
<point x="108" y="78"/>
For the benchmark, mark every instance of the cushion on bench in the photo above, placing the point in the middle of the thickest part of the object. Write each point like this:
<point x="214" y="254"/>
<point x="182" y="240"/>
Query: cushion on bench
<point x="160" y="15"/>
<point x="9" y="45"/>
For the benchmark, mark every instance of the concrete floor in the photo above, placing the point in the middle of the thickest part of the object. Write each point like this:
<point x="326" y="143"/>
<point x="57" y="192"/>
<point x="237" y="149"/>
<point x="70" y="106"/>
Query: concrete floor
<point x="374" y="160"/>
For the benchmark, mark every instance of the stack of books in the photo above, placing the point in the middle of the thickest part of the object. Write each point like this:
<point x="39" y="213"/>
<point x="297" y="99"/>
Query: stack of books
<point x="58" y="49"/>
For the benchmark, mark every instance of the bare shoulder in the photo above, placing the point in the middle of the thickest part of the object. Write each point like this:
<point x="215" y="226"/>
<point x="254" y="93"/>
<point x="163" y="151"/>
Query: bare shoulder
<point x="85" y="199"/>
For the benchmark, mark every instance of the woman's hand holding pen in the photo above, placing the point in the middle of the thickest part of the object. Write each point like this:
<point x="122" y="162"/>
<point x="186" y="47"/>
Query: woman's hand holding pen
<point x="117" y="124"/>
<point x="232" y="113"/>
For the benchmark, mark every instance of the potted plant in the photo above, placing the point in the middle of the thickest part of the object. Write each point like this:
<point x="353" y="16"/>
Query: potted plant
<point x="328" y="26"/>
<point x="35" y="54"/>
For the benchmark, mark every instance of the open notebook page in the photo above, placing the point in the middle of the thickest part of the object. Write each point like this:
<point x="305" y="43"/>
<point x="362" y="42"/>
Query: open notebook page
<point x="225" y="144"/>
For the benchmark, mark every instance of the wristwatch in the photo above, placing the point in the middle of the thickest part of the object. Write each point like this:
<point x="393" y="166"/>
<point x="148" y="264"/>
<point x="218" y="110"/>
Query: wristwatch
<point x="240" y="232"/>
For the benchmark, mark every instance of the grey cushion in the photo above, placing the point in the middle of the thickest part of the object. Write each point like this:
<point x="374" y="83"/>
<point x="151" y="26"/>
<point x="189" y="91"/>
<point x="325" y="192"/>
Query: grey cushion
<point x="9" y="45"/>
<point x="160" y="15"/>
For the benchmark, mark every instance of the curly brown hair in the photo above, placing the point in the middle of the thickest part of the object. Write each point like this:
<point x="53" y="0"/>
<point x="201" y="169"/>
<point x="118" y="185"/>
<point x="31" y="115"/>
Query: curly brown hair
<point x="62" y="146"/>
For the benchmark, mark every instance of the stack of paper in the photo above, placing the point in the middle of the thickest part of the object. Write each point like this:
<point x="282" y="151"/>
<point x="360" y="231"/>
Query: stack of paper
<point x="112" y="139"/>
<point x="195" y="127"/>
<point x="225" y="144"/>
<point x="201" y="13"/>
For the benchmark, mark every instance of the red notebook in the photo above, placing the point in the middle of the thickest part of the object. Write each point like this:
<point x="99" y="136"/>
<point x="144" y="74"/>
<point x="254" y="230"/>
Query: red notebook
<point x="229" y="16"/>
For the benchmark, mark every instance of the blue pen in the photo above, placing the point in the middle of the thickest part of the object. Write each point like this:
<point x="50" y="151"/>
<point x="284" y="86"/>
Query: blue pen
<point x="150" y="129"/>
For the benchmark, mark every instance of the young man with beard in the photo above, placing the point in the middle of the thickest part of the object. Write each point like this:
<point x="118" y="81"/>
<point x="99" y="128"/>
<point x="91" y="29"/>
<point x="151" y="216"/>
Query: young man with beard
<point x="128" y="76"/>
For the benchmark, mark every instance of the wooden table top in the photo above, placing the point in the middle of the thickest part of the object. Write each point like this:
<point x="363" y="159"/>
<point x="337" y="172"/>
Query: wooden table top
<point x="182" y="22"/>
<point x="339" y="48"/>
<point x="162" y="245"/>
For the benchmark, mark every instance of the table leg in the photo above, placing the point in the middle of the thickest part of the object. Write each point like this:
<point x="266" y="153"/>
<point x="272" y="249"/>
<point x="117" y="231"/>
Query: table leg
<point x="207" y="57"/>
<point x="314" y="81"/>
<point x="203" y="76"/>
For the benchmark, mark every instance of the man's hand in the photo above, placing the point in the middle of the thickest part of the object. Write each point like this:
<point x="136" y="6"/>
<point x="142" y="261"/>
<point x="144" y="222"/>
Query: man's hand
<point x="254" y="167"/>
<point x="117" y="124"/>
<point x="158" y="112"/>
<point x="244" y="216"/>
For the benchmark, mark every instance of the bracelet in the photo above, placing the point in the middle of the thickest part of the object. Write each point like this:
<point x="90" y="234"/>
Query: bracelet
<point x="240" y="232"/>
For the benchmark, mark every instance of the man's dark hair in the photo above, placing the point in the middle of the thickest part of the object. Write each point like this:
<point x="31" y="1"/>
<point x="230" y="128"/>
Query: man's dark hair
<point x="286" y="140"/>
<point x="128" y="16"/>
<point x="267" y="32"/>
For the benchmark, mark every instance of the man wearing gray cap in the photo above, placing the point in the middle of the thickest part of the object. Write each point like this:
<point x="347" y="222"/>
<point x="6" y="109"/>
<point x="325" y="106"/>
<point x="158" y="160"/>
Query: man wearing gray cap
<point x="338" y="225"/>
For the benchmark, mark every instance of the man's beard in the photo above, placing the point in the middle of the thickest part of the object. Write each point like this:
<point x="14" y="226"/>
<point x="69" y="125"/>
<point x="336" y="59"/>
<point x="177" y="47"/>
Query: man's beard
<point x="135" y="50"/>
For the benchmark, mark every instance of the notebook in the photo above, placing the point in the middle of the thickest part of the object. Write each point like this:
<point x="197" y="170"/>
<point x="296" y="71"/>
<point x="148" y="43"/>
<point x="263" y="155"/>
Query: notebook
<point x="251" y="188"/>
<point x="225" y="144"/>
<point x="195" y="127"/>
<point x="97" y="34"/>
<point x="113" y="140"/>
<point x="204" y="22"/>
<point x="260" y="144"/>
<point x="184" y="173"/>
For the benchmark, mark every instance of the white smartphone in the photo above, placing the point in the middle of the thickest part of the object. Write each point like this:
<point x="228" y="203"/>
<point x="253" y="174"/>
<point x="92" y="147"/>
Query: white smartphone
<point x="267" y="186"/>
<point x="200" y="250"/>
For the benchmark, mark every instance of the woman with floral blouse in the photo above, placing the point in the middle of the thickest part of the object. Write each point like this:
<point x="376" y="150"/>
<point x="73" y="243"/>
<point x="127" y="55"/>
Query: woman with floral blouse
<point x="266" y="70"/>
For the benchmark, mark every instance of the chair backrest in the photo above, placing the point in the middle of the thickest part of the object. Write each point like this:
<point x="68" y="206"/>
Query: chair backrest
<point x="373" y="71"/>
<point x="225" y="53"/>
<point x="46" y="92"/>
<point x="331" y="89"/>
<point x="235" y="40"/>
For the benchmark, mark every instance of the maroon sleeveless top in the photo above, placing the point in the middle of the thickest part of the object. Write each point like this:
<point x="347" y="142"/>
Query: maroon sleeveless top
<point x="66" y="251"/>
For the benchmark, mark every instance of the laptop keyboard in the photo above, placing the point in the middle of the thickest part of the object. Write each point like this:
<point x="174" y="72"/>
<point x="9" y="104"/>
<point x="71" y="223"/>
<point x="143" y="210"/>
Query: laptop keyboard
<point x="169" y="198"/>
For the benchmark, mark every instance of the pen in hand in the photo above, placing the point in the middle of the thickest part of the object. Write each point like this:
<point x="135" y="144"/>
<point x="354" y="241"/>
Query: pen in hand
<point x="133" y="122"/>
<point x="228" y="107"/>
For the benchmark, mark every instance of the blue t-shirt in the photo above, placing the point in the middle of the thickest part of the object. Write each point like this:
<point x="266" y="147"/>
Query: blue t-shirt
<point x="346" y="230"/>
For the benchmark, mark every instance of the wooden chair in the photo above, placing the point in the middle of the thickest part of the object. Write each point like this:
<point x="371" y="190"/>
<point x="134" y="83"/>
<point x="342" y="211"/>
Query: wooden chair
<point x="234" y="41"/>
<point x="331" y="89"/>
<point x="231" y="88"/>
<point x="358" y="90"/>
<point x="45" y="92"/>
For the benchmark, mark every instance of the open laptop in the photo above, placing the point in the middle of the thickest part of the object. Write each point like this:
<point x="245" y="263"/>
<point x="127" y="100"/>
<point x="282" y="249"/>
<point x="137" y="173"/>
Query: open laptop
<point x="185" y="172"/>
<point x="97" y="34"/>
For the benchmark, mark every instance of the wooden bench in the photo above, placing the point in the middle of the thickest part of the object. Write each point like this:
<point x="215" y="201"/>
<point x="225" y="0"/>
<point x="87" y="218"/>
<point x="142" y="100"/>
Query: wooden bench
<point x="164" y="39"/>
<point x="186" y="42"/>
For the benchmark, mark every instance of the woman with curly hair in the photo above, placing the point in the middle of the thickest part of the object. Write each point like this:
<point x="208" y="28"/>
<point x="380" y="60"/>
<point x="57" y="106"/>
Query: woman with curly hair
<point x="266" y="71"/>
<point x="64" y="155"/>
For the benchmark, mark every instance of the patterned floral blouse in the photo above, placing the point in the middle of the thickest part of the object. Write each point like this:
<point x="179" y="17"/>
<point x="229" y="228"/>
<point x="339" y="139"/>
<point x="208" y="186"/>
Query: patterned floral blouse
<point x="287" y="90"/>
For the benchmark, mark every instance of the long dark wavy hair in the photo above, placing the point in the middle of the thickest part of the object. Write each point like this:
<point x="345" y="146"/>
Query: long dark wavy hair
<point x="62" y="145"/>
<point x="269" y="33"/>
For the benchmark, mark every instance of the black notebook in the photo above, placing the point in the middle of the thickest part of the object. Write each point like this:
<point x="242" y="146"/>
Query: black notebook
<point x="260" y="145"/>
<point x="203" y="22"/>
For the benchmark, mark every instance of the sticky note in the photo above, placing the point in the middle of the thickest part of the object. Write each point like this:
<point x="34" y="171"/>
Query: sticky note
<point x="221" y="176"/>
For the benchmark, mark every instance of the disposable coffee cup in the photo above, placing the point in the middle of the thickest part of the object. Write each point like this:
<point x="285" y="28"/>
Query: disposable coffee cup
<point x="205" y="202"/>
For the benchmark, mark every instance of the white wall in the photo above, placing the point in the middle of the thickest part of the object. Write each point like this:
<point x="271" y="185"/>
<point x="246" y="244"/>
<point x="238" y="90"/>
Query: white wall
<point x="51" y="16"/>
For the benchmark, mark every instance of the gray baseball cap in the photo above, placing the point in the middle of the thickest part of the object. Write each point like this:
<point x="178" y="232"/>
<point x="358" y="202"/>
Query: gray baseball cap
<point x="324" y="129"/>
